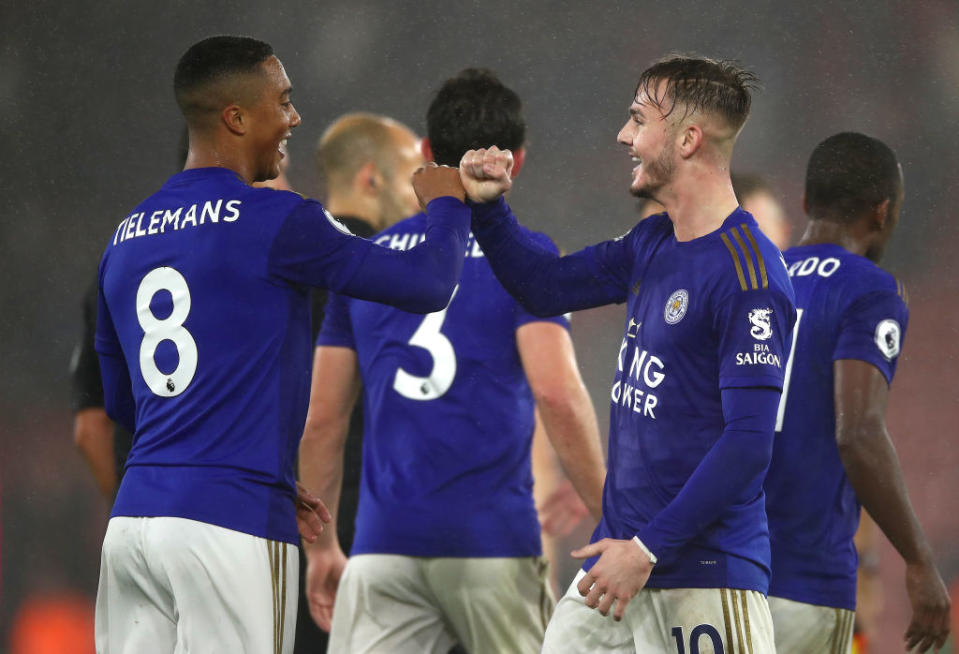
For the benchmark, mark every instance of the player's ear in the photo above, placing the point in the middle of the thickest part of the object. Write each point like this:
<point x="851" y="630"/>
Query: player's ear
<point x="519" y="158"/>
<point x="690" y="139"/>
<point x="426" y="149"/>
<point x="879" y="216"/>
<point x="235" y="119"/>
<point x="367" y="180"/>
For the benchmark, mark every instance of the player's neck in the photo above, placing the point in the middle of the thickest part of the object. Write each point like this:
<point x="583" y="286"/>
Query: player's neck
<point x="348" y="205"/>
<point x="698" y="206"/>
<point x="820" y="232"/>
<point x="211" y="157"/>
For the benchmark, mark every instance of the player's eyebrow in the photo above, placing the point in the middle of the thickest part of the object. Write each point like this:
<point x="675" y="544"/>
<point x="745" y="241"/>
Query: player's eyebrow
<point x="636" y="112"/>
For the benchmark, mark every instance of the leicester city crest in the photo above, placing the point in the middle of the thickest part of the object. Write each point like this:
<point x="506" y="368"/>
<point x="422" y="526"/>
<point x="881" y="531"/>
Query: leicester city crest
<point x="676" y="306"/>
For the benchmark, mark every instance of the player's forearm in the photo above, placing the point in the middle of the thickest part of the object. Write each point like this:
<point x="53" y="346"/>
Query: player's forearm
<point x="421" y="279"/>
<point x="93" y="436"/>
<point x="570" y="423"/>
<point x="544" y="283"/>
<point x="737" y="462"/>
<point x="321" y="470"/>
<point x="873" y="469"/>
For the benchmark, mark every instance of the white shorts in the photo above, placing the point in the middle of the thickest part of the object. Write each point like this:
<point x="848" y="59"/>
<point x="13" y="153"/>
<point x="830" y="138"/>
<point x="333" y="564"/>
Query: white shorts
<point x="673" y="620"/>
<point x="802" y="627"/>
<point x="394" y="604"/>
<point x="176" y="585"/>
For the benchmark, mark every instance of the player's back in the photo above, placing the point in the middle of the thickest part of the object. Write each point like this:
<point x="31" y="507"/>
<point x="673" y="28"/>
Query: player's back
<point x="847" y="308"/>
<point x="218" y="351"/>
<point x="448" y="418"/>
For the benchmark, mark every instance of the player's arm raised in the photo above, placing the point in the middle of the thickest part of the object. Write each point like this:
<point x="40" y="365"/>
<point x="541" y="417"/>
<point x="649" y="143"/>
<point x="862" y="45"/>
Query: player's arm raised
<point x="312" y="248"/>
<point x="543" y="282"/>
<point x="335" y="388"/>
<point x="564" y="405"/>
<point x="871" y="463"/>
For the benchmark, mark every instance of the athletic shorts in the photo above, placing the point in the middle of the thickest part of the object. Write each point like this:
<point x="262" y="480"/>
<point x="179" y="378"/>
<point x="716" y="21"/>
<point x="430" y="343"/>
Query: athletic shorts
<point x="672" y="620"/>
<point x="802" y="628"/>
<point x="175" y="585"/>
<point x="391" y="604"/>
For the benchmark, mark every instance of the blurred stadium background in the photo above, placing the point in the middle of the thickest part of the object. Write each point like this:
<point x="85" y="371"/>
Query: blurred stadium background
<point x="88" y="127"/>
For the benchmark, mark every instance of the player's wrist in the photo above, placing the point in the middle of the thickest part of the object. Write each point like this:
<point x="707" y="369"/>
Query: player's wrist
<point x="645" y="550"/>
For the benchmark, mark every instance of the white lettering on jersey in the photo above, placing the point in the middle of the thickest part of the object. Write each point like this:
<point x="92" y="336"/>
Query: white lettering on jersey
<point x="161" y="220"/>
<point x="408" y="240"/>
<point x="888" y="337"/>
<point x="806" y="267"/>
<point x="645" y="370"/>
<point x="761" y="354"/>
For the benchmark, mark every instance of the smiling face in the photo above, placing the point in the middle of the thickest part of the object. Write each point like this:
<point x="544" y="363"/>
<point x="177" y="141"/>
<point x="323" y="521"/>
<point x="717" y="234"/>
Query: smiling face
<point x="272" y="119"/>
<point x="648" y="136"/>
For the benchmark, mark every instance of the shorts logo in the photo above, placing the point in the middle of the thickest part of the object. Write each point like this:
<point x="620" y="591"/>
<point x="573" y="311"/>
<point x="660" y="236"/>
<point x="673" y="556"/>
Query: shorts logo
<point x="337" y="224"/>
<point x="888" y="337"/>
<point x="761" y="328"/>
<point x="676" y="306"/>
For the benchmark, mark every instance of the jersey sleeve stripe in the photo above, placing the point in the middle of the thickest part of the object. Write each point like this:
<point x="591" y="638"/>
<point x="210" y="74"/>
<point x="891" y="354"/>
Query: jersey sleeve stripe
<point x="732" y="253"/>
<point x="749" y="260"/>
<point x="759" y="256"/>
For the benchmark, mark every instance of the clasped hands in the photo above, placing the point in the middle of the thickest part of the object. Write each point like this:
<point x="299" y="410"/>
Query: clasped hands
<point x="483" y="175"/>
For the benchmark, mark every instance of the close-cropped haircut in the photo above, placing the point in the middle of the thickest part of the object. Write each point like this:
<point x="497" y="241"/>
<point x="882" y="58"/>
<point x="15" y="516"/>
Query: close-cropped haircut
<point x="211" y="61"/>
<point x="849" y="173"/>
<point x="714" y="86"/>
<point x="354" y="140"/>
<point x="474" y="110"/>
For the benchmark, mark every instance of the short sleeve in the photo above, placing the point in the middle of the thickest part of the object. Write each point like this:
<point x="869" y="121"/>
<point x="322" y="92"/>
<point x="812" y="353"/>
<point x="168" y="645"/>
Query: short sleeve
<point x="337" y="329"/>
<point x="755" y="333"/>
<point x="873" y="329"/>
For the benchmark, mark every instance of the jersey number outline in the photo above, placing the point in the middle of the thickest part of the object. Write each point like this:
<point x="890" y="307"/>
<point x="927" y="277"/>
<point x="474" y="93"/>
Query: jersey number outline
<point x="171" y="328"/>
<point x="695" y="635"/>
<point x="429" y="337"/>
<point x="781" y="413"/>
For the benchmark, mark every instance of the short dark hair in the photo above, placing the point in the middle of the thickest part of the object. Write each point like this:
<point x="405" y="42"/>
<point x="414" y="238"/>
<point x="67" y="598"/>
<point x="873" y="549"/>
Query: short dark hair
<point x="717" y="86"/>
<point x="474" y="110"/>
<point x="849" y="173"/>
<point x="211" y="60"/>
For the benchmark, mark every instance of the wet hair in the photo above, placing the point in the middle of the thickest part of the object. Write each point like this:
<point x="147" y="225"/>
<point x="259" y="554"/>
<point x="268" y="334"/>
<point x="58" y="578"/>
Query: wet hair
<point x="210" y="62"/>
<point x="850" y="173"/>
<point x="715" y="86"/>
<point x="474" y="110"/>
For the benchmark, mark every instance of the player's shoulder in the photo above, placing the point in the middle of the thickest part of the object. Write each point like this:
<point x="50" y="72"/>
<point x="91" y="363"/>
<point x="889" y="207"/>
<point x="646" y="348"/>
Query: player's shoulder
<point x="855" y="274"/>
<point x="746" y="259"/>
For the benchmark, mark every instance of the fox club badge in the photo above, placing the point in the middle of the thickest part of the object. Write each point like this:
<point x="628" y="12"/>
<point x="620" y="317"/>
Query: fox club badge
<point x="676" y="306"/>
<point x="761" y="328"/>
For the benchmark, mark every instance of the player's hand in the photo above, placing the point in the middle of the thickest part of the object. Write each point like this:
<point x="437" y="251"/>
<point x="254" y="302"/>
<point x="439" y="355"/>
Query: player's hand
<point x="432" y="181"/>
<point x="621" y="571"/>
<point x="562" y="510"/>
<point x="486" y="174"/>
<point x="324" y="567"/>
<point x="930" y="607"/>
<point x="311" y="513"/>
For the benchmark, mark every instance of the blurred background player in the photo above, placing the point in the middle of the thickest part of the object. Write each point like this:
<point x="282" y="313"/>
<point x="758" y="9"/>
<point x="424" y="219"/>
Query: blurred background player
<point x="365" y="162"/>
<point x="203" y="342"/>
<point x="681" y="553"/>
<point x="756" y="196"/>
<point x="447" y="547"/>
<point x="832" y="450"/>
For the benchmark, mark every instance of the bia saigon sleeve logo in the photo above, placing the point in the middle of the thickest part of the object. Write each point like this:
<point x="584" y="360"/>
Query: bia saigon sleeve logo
<point x="761" y="328"/>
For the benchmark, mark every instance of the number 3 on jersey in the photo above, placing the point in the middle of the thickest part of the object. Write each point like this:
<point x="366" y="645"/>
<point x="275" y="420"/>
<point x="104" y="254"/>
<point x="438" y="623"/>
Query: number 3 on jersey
<point x="170" y="329"/>
<point x="429" y="337"/>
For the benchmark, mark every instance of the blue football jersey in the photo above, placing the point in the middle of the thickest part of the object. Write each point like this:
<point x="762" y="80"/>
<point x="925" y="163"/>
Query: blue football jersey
<point x="448" y="417"/>
<point x="703" y="315"/>
<point x="848" y="308"/>
<point x="203" y="293"/>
